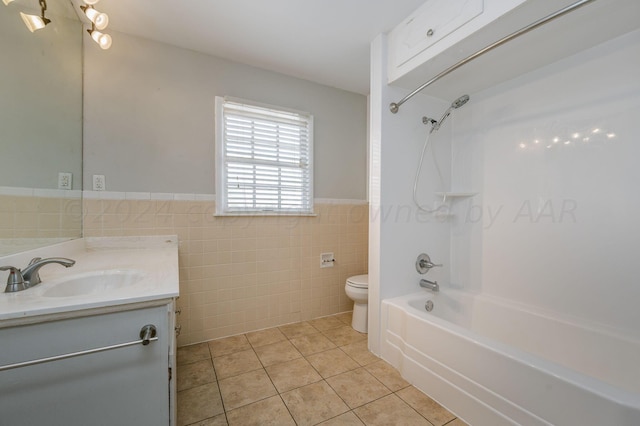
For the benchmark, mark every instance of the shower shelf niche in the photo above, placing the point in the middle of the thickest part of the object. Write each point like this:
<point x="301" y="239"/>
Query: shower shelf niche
<point x="450" y="196"/>
<point x="456" y="194"/>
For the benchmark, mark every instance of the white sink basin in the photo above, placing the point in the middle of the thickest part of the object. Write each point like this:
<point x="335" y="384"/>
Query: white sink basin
<point x="93" y="283"/>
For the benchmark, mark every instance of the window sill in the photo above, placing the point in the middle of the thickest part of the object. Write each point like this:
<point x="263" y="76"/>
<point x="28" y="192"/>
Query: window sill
<point x="251" y="214"/>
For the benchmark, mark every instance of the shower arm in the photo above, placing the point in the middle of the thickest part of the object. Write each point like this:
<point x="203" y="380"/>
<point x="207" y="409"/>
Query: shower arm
<point x="395" y="106"/>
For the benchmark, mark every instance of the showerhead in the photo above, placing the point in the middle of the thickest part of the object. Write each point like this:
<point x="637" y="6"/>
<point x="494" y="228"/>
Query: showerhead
<point x="435" y="125"/>
<point x="460" y="101"/>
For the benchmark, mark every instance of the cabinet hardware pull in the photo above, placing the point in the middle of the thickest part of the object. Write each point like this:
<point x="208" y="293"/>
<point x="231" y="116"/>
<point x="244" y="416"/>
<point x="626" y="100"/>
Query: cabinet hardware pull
<point x="146" y="329"/>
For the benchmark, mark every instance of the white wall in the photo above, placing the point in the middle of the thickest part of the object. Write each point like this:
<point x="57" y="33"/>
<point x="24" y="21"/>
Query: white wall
<point x="563" y="233"/>
<point x="398" y="231"/>
<point x="149" y="118"/>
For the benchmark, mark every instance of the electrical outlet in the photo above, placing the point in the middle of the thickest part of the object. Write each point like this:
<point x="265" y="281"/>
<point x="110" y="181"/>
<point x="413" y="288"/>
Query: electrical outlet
<point x="65" y="180"/>
<point x="327" y="260"/>
<point x="99" y="183"/>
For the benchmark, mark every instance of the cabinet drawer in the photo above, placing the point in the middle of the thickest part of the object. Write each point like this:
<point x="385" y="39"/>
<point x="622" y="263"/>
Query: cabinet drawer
<point x="433" y="21"/>
<point x="124" y="386"/>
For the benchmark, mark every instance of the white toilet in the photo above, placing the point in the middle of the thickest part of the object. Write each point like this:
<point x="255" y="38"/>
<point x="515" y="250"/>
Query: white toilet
<point x="357" y="288"/>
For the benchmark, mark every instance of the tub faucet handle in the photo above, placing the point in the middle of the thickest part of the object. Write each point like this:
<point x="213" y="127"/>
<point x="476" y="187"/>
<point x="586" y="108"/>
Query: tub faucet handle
<point x="424" y="263"/>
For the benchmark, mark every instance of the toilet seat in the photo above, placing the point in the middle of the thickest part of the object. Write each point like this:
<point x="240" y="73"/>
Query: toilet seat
<point x="358" y="281"/>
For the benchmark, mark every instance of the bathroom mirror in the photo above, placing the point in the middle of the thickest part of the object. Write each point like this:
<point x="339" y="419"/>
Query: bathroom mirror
<point x="40" y="127"/>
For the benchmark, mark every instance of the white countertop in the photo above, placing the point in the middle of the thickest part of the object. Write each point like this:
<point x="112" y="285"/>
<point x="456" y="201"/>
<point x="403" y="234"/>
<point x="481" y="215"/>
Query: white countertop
<point x="155" y="258"/>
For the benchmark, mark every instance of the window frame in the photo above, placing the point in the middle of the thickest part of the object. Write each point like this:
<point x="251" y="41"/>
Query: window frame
<point x="222" y="208"/>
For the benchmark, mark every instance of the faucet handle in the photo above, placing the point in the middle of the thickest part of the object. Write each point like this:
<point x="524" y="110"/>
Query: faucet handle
<point x="15" y="281"/>
<point x="424" y="263"/>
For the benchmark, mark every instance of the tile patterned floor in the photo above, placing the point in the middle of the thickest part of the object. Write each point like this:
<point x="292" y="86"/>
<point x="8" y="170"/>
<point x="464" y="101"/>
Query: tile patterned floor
<point x="310" y="373"/>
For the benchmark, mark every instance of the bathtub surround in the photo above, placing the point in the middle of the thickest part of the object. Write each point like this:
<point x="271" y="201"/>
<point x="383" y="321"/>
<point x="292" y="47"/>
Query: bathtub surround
<point x="551" y="156"/>
<point x="239" y="274"/>
<point x="573" y="192"/>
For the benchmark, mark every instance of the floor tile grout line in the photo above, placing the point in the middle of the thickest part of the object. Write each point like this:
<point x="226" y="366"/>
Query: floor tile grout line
<point x="224" y="409"/>
<point x="287" y="407"/>
<point x="409" y="405"/>
<point x="353" y="408"/>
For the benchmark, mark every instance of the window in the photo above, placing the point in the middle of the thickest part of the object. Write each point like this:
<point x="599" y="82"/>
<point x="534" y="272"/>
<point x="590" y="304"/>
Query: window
<point x="263" y="159"/>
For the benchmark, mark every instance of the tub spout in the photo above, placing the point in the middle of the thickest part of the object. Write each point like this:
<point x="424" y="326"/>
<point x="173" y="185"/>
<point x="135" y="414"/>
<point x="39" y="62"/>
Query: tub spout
<point x="429" y="285"/>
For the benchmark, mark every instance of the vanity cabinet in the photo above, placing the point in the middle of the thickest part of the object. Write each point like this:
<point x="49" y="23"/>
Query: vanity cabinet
<point x="124" y="386"/>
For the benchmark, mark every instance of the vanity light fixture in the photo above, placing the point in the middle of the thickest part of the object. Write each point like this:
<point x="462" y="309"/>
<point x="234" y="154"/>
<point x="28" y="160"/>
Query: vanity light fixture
<point x="103" y="40"/>
<point x="35" y="22"/>
<point x="100" y="20"/>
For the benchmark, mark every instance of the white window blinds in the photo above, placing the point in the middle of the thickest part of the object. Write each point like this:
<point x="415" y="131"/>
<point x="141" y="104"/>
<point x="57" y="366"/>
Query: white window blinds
<point x="264" y="159"/>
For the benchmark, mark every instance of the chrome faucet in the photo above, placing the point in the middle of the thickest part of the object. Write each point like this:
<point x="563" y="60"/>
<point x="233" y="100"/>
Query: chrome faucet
<point x="15" y="282"/>
<point x="21" y="280"/>
<point x="430" y="285"/>
<point x="424" y="263"/>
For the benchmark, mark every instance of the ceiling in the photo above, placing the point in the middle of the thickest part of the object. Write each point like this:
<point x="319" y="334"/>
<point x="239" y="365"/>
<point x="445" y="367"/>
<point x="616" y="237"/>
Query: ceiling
<point x="325" y="41"/>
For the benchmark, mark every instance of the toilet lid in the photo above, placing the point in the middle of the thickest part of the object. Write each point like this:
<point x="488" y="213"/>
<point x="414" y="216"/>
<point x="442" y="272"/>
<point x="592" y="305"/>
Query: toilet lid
<point x="359" y="281"/>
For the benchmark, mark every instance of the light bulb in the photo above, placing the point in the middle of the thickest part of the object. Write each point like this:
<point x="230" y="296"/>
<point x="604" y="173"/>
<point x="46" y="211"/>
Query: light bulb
<point x="103" y="40"/>
<point x="90" y="2"/>
<point x="34" y="22"/>
<point x="101" y="20"/>
<point x="6" y="2"/>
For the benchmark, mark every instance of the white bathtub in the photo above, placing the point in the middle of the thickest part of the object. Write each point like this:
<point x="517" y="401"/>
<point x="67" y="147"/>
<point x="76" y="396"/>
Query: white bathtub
<point x="495" y="363"/>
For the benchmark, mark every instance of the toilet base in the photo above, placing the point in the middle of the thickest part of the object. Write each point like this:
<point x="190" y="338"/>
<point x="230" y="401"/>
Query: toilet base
<point x="360" y="317"/>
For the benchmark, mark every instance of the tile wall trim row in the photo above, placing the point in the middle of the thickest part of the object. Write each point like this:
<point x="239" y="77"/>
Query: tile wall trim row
<point x="40" y="192"/>
<point x="165" y="196"/>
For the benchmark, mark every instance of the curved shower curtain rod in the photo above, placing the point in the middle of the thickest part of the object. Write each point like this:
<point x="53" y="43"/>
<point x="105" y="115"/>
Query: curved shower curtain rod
<point x="395" y="106"/>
